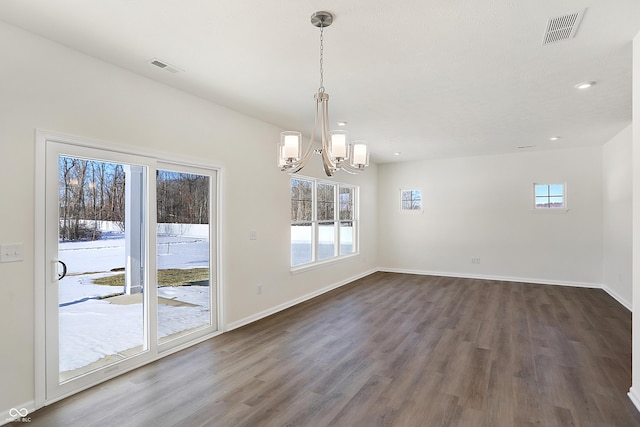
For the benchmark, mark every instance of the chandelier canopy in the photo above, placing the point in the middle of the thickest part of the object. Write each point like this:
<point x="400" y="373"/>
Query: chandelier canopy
<point x="337" y="152"/>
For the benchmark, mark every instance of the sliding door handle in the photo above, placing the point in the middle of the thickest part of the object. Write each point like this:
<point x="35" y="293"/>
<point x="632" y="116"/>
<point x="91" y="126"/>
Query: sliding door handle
<point x="55" y="271"/>
<point x="64" y="270"/>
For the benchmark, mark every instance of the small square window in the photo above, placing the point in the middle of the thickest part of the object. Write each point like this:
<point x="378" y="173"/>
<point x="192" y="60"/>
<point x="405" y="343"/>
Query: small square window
<point x="549" y="196"/>
<point x="411" y="200"/>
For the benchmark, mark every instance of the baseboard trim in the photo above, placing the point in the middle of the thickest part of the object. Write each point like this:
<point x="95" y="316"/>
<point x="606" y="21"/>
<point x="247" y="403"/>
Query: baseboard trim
<point x="6" y="415"/>
<point x="635" y="397"/>
<point x="289" y="304"/>
<point x="617" y="297"/>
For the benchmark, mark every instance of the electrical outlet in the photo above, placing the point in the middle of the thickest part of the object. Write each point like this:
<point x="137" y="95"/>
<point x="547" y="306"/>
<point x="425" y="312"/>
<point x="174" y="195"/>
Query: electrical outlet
<point x="11" y="253"/>
<point x="475" y="260"/>
<point x="259" y="288"/>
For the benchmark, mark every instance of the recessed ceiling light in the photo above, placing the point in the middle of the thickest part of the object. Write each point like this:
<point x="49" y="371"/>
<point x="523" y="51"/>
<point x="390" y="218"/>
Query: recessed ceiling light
<point x="584" y="85"/>
<point x="342" y="123"/>
<point x="397" y="153"/>
<point x="554" y="138"/>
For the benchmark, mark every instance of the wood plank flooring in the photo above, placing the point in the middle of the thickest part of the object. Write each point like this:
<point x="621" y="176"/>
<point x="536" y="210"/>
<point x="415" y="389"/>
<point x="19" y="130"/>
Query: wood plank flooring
<point x="390" y="350"/>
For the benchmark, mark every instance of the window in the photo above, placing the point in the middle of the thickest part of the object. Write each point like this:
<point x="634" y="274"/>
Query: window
<point x="411" y="200"/>
<point x="347" y="199"/>
<point x="326" y="215"/>
<point x="549" y="196"/>
<point x="323" y="220"/>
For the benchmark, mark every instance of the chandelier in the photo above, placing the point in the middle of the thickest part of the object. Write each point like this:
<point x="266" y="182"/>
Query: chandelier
<point x="335" y="148"/>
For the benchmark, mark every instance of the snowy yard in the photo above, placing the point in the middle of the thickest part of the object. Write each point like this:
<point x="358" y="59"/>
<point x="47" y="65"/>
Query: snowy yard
<point x="92" y="328"/>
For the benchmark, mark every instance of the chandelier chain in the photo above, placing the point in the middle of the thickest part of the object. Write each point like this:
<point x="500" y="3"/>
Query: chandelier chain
<point x="321" y="89"/>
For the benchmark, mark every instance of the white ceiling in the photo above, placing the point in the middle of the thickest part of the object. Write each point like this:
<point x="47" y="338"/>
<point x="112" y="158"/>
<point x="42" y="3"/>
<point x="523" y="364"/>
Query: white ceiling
<point x="427" y="78"/>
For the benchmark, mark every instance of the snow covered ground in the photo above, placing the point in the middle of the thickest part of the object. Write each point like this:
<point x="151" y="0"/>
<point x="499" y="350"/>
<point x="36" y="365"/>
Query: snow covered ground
<point x="91" y="328"/>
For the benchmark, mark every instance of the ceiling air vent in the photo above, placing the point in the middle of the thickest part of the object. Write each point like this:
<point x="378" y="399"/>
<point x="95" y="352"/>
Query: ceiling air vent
<point x="164" y="65"/>
<point x="562" y="27"/>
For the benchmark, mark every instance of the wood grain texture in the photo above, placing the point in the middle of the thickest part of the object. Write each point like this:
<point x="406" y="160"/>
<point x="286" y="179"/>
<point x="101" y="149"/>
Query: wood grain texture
<point x="390" y="350"/>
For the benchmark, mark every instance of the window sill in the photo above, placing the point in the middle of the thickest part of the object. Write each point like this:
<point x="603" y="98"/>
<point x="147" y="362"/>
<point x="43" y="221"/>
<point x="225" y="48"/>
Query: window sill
<point x="319" y="264"/>
<point x="550" y="211"/>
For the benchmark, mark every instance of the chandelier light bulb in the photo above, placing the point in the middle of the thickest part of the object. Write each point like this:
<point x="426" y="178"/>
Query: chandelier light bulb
<point x="360" y="157"/>
<point x="338" y="145"/>
<point x="290" y="146"/>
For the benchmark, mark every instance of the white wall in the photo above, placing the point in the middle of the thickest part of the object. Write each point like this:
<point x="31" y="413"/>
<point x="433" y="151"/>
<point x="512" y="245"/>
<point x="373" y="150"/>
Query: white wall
<point x="50" y="87"/>
<point x="617" y="221"/>
<point x="482" y="207"/>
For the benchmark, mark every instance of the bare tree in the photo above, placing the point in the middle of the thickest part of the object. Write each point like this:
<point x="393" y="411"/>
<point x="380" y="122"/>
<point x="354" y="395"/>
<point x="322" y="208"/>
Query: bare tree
<point x="182" y="198"/>
<point x="301" y="200"/>
<point x="92" y="191"/>
<point x="65" y="168"/>
<point x="89" y="191"/>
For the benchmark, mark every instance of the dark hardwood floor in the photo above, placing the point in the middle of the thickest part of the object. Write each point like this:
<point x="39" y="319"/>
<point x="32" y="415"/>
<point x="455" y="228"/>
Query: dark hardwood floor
<point x="390" y="349"/>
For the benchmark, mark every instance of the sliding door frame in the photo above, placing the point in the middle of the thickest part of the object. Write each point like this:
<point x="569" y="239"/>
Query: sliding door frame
<point x="41" y="263"/>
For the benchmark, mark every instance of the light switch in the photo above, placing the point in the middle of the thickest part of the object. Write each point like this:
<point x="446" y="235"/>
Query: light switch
<point x="253" y="235"/>
<point x="11" y="253"/>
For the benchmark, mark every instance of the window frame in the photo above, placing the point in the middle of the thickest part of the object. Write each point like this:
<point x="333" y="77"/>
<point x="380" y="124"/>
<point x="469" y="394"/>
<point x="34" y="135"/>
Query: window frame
<point x="550" y="209"/>
<point x="420" y="210"/>
<point x="315" y="222"/>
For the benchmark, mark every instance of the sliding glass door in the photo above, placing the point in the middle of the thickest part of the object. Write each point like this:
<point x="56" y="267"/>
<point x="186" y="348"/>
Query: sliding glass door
<point x="129" y="261"/>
